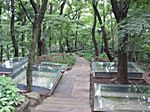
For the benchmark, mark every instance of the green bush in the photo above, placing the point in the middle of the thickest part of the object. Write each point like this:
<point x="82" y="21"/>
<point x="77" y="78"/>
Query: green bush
<point x="87" y="55"/>
<point x="9" y="96"/>
<point x="66" y="59"/>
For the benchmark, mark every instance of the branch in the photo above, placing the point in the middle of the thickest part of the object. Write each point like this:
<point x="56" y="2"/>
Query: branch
<point x="120" y="9"/>
<point x="42" y="10"/>
<point x="24" y="9"/>
<point x="44" y="6"/>
<point x="75" y="15"/>
<point x="34" y="5"/>
<point x="73" y="11"/>
<point x="97" y="13"/>
<point x="62" y="7"/>
<point x="69" y="17"/>
<point x="104" y="33"/>
<point x="116" y="10"/>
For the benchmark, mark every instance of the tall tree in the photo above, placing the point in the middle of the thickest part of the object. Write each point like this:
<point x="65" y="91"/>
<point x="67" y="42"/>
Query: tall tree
<point x="62" y="5"/>
<point x="38" y="18"/>
<point x="76" y="35"/>
<point x="1" y="46"/>
<point x="12" y="29"/>
<point x="51" y="5"/>
<point x="93" y="30"/>
<point x="120" y="10"/>
<point x="104" y="33"/>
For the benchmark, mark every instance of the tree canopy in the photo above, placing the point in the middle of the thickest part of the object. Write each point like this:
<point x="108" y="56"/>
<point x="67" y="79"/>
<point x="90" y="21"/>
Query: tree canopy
<point x="112" y="27"/>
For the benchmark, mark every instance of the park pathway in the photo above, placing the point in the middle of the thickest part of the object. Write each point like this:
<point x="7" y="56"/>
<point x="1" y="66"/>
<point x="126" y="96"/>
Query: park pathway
<point x="72" y="92"/>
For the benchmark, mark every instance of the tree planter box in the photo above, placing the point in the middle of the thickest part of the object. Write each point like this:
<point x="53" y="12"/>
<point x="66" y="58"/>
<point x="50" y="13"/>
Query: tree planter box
<point x="45" y="78"/>
<point x="44" y="82"/>
<point x="109" y="69"/>
<point x="108" y="97"/>
<point x="113" y="74"/>
<point x="13" y="66"/>
<point x="107" y="80"/>
<point x="120" y="98"/>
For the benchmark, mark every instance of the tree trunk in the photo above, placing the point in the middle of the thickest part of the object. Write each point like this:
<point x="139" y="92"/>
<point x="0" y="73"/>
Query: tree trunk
<point x="61" y="50"/>
<point x="39" y="50"/>
<point x="32" y="55"/>
<point x="43" y="47"/>
<point x="12" y="29"/>
<point x="8" y="55"/>
<point x="104" y="34"/>
<point x="22" y="49"/>
<point x="122" y="77"/>
<point x="1" y="59"/>
<point x="50" y="39"/>
<point x="112" y="34"/>
<point x="62" y="5"/>
<point x="51" y="8"/>
<point x="67" y="43"/>
<point x="0" y="17"/>
<point x="93" y="34"/>
<point x="23" y="36"/>
<point x="1" y="55"/>
<point x="120" y="10"/>
<point x="39" y="15"/>
<point x="76" y="39"/>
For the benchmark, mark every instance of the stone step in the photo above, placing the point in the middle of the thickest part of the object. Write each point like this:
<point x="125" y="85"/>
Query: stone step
<point x="65" y="102"/>
<point x="55" y="104"/>
<point x="55" y="108"/>
<point x="49" y="109"/>
<point x="71" y="99"/>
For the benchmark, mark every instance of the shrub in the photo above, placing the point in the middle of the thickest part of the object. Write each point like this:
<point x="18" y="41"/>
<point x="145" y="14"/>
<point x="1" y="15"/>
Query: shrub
<point x="9" y="96"/>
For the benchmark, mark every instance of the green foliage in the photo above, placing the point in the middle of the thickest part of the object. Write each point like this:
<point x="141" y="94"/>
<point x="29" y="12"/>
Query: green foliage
<point x="75" y="24"/>
<point x="86" y="54"/>
<point x="9" y="96"/>
<point x="103" y="56"/>
<point x="137" y="28"/>
<point x="62" y="58"/>
<point x="89" y="56"/>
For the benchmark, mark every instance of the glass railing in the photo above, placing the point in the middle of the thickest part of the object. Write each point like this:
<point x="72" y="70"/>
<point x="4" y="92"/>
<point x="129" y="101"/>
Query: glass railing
<point x="44" y="76"/>
<point x="112" y="67"/>
<point x="40" y="78"/>
<point x="109" y="69"/>
<point x="118" y="98"/>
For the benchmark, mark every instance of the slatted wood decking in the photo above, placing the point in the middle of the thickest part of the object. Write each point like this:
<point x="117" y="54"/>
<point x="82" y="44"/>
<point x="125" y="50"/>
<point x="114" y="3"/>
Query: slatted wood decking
<point x="72" y="92"/>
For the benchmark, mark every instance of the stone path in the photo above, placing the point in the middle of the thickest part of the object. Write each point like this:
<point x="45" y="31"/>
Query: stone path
<point x="72" y="92"/>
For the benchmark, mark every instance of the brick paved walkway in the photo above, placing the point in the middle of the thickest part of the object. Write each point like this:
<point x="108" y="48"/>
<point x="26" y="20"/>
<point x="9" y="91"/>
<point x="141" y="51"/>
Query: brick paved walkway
<point x="72" y="92"/>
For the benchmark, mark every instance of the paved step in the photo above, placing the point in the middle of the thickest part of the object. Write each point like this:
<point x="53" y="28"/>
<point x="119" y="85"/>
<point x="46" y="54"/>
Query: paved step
<point x="70" y="99"/>
<point x="64" y="103"/>
<point x="62" y="109"/>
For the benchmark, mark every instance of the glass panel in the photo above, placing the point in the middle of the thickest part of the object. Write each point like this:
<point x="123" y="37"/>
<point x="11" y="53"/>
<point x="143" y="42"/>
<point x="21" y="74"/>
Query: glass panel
<point x="14" y="62"/>
<point x="13" y="65"/>
<point x="112" y="67"/>
<point x="40" y="79"/>
<point x="121" y="97"/>
<point x="47" y="69"/>
<point x="56" y="65"/>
